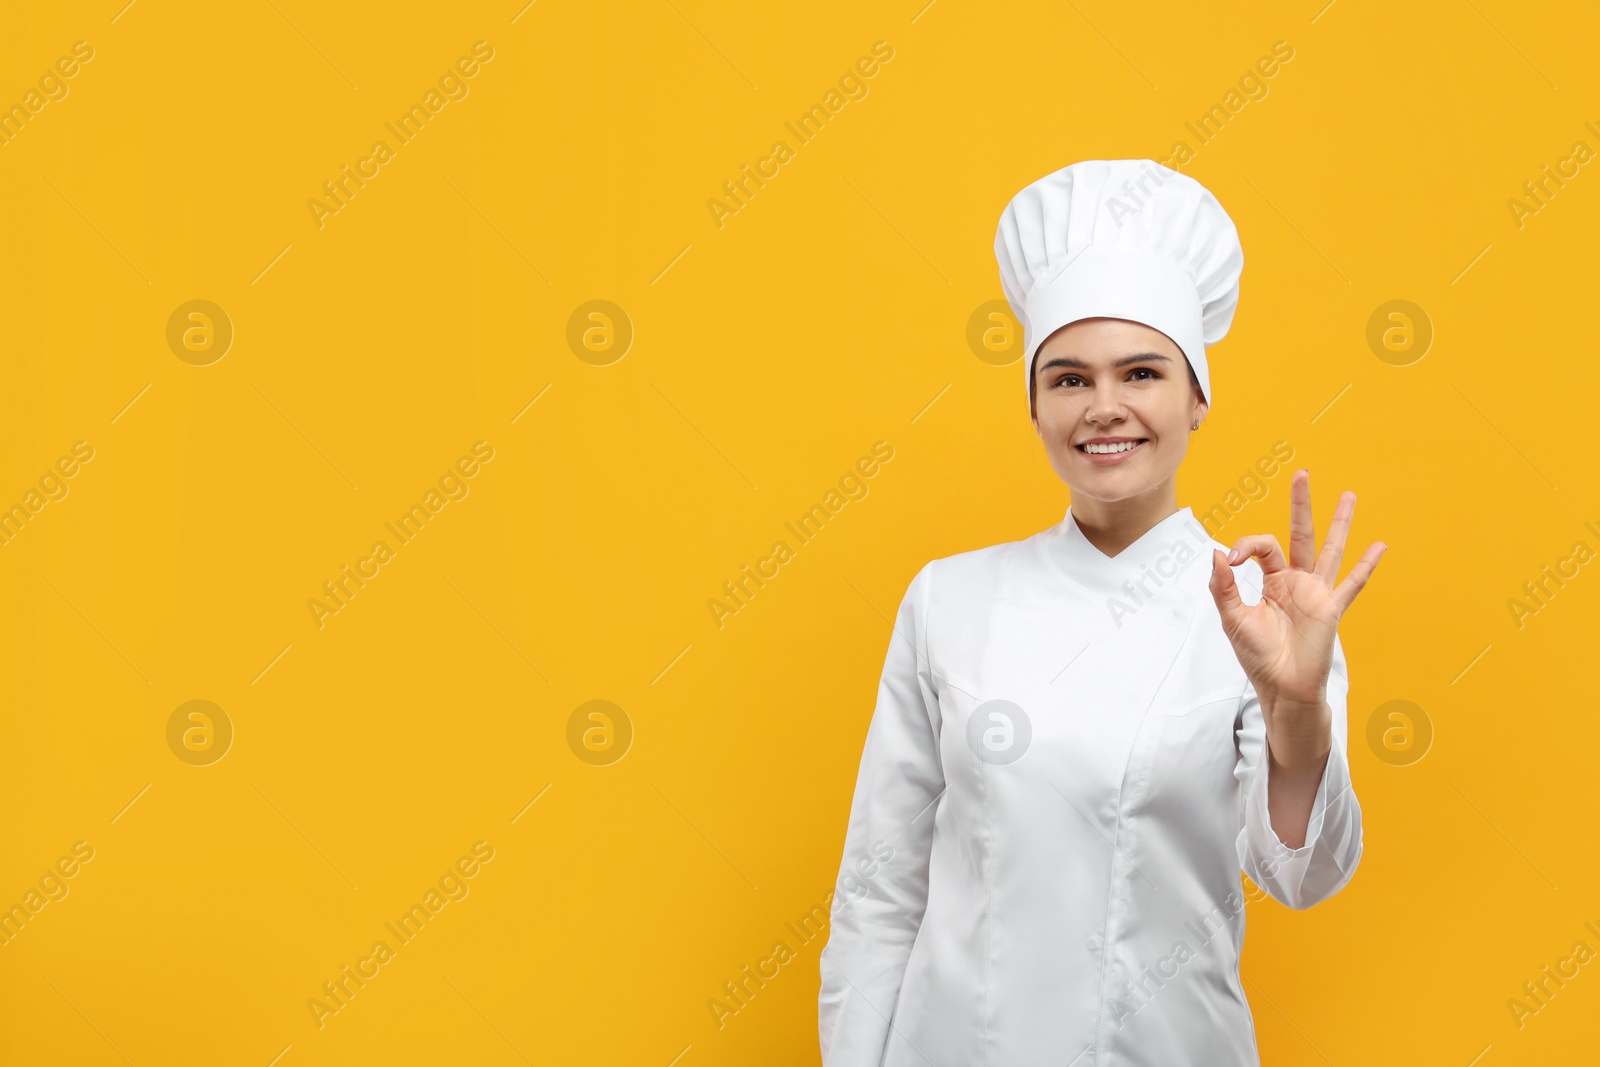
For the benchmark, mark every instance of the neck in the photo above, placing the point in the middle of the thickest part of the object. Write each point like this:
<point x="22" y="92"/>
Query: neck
<point x="1112" y="526"/>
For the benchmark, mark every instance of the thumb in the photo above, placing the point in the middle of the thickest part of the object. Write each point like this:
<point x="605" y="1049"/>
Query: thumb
<point x="1224" y="590"/>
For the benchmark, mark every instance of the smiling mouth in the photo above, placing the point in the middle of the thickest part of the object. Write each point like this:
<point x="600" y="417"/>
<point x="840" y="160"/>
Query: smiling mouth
<point x="1111" y="449"/>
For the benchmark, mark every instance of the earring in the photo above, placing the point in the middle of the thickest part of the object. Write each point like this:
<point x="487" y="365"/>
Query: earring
<point x="1196" y="425"/>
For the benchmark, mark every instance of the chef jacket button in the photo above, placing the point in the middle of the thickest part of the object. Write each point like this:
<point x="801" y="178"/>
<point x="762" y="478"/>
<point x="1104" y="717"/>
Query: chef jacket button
<point x="1094" y="942"/>
<point x="1177" y="612"/>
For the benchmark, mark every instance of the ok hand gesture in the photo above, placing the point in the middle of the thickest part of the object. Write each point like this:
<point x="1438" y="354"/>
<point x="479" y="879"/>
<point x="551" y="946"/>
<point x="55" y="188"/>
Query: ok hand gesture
<point x="1285" y="641"/>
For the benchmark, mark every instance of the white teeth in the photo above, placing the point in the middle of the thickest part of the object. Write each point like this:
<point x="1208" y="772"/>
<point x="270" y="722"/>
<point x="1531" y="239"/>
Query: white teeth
<point x="1122" y="446"/>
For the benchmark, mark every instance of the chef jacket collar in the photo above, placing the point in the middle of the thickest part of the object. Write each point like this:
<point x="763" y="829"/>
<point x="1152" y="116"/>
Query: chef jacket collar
<point x="1139" y="573"/>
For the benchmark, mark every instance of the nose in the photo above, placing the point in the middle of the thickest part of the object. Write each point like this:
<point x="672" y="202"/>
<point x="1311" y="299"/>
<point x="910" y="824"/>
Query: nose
<point x="1104" y="404"/>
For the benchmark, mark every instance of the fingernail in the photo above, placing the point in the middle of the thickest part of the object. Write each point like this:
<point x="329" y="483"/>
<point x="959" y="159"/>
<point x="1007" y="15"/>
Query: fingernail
<point x="1233" y="555"/>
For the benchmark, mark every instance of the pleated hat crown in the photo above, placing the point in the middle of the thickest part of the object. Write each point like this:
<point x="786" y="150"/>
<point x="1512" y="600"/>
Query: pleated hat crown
<point x="1125" y="239"/>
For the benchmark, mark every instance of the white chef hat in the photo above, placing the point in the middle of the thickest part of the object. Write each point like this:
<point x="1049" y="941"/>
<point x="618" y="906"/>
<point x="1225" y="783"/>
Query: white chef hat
<point x="1125" y="239"/>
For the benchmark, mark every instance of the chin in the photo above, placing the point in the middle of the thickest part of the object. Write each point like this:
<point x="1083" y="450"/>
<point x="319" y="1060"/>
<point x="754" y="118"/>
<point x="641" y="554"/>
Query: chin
<point x="1108" y="493"/>
<point x="1113" y="484"/>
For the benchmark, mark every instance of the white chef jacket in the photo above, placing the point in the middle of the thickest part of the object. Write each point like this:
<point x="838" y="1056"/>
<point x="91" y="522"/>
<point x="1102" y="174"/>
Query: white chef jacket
<point x="1079" y="906"/>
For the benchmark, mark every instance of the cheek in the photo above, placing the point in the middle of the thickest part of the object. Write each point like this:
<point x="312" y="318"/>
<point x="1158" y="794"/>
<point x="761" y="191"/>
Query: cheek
<point x="1164" y="417"/>
<point x="1058" y="411"/>
<point x="1059" y="429"/>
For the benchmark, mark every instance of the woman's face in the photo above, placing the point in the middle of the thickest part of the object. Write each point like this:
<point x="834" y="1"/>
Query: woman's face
<point x="1118" y="381"/>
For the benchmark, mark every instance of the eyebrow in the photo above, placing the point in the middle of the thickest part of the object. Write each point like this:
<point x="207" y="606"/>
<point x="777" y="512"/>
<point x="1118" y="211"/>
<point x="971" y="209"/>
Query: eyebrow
<point x="1078" y="364"/>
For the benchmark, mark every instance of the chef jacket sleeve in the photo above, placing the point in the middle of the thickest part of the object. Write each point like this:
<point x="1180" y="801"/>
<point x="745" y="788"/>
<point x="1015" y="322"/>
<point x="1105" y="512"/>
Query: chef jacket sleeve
<point x="1310" y="874"/>
<point x="882" y="890"/>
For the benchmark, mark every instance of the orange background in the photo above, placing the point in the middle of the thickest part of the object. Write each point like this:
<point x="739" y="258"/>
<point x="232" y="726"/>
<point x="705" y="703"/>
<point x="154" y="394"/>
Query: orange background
<point x="769" y="354"/>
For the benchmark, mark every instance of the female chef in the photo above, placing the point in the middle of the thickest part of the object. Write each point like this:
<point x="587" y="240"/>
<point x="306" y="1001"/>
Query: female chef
<point x="1081" y="738"/>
